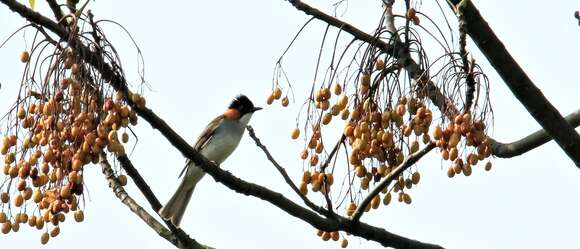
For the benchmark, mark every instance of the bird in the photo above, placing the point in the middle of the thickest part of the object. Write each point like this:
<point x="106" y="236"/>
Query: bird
<point x="217" y="141"/>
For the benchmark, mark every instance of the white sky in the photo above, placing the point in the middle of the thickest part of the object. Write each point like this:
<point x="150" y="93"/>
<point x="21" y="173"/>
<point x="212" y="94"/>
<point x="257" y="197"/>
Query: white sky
<point x="199" y="54"/>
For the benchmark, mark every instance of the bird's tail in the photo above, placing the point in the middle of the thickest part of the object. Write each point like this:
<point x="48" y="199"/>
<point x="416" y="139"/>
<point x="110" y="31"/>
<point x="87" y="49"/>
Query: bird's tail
<point x="175" y="207"/>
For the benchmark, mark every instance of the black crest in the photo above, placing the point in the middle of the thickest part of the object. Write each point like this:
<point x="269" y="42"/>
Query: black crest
<point x="242" y="104"/>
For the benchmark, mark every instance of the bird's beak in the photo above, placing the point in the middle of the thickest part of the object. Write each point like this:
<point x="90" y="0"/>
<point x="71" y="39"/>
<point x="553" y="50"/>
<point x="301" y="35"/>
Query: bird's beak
<point x="257" y="109"/>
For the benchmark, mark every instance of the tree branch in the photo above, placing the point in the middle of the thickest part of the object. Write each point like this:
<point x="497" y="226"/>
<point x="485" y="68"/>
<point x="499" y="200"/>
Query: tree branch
<point x="529" y="142"/>
<point x="129" y="202"/>
<point x="519" y="83"/>
<point x="282" y="171"/>
<point x="55" y="7"/>
<point x="184" y="241"/>
<point x="412" y="159"/>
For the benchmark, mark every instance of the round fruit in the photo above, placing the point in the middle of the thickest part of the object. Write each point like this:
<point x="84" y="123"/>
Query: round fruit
<point x="343" y="243"/>
<point x="450" y="172"/>
<point x="79" y="216"/>
<point x="277" y="93"/>
<point x="125" y="137"/>
<point x="376" y="202"/>
<point x="411" y="13"/>
<point x="295" y="133"/>
<point x="488" y="166"/>
<point x="407" y="198"/>
<point x="122" y="180"/>
<point x="334" y="235"/>
<point x="387" y="199"/>
<point x="326" y="118"/>
<point x="304" y="154"/>
<point x="54" y="232"/>
<point x="6" y="227"/>
<point x="325" y="236"/>
<point x="416" y="177"/>
<point x="270" y="99"/>
<point x="303" y="188"/>
<point x="24" y="57"/>
<point x="337" y="89"/>
<point x="44" y="238"/>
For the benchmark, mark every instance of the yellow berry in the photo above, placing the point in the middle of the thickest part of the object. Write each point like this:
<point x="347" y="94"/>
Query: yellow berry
<point x="387" y="199"/>
<point x="295" y="133"/>
<point x="337" y="89"/>
<point x="122" y="180"/>
<point x="79" y="216"/>
<point x="44" y="238"/>
<point x="24" y="57"/>
<point x="326" y="118"/>
<point x="411" y="13"/>
<point x="416" y="177"/>
<point x="488" y="166"/>
<point x="125" y="137"/>
<point x="343" y="243"/>
<point x="54" y="232"/>
<point x="277" y="93"/>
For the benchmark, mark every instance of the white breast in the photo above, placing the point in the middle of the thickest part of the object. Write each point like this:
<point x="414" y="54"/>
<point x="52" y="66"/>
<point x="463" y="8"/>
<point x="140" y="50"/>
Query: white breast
<point x="224" y="141"/>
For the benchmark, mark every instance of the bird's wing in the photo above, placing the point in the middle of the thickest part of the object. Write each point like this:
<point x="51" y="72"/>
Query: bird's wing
<point x="202" y="140"/>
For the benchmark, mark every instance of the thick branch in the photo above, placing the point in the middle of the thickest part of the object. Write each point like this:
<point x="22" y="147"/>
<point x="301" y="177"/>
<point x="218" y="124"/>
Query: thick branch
<point x="410" y="161"/>
<point x="129" y="202"/>
<point x="519" y="83"/>
<point x="55" y="9"/>
<point x="529" y="142"/>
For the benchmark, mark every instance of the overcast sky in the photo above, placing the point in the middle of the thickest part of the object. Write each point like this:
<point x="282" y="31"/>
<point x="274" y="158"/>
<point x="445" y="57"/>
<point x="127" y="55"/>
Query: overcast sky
<point x="200" y="54"/>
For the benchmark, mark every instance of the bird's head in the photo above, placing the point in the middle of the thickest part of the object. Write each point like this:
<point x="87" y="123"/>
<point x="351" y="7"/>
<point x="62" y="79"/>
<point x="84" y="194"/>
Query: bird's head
<point x="241" y="108"/>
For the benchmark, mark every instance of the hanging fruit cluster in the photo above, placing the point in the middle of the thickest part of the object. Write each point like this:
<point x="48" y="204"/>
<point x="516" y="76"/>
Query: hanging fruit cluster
<point x="54" y="132"/>
<point x="334" y="235"/>
<point x="381" y="129"/>
<point x="389" y="102"/>
<point x="463" y="127"/>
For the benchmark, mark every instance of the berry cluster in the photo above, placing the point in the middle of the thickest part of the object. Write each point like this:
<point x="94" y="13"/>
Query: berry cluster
<point x="54" y="132"/>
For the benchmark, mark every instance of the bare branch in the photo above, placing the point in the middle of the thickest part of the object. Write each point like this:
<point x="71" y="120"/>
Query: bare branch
<point x="529" y="142"/>
<point x="184" y="241"/>
<point x="282" y="171"/>
<point x="519" y="83"/>
<point x="55" y="7"/>
<point x="410" y="161"/>
<point x="129" y="202"/>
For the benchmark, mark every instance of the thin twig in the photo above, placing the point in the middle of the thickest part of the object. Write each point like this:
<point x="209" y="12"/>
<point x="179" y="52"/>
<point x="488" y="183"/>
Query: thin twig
<point x="282" y="171"/>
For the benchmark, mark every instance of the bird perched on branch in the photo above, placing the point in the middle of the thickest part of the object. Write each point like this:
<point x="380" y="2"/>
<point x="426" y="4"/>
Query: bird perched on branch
<point x="216" y="142"/>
